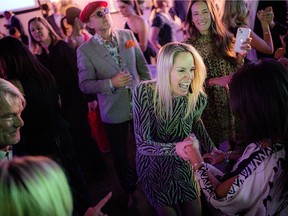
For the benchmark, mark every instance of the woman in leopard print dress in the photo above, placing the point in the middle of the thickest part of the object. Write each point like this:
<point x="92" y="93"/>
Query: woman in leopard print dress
<point x="215" y="44"/>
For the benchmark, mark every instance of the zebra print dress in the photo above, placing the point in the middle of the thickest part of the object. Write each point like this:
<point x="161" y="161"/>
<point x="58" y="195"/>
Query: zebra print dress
<point x="166" y="178"/>
<point x="254" y="191"/>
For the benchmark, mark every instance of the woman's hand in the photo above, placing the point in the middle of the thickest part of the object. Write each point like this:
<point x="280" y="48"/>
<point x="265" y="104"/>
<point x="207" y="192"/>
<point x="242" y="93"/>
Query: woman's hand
<point x="180" y="149"/>
<point x="279" y="53"/>
<point x="284" y="61"/>
<point x="214" y="157"/>
<point x="96" y="210"/>
<point x="218" y="156"/>
<point x="266" y="15"/>
<point x="92" y="106"/>
<point x="246" y="45"/>
<point x="189" y="149"/>
<point x="220" y="81"/>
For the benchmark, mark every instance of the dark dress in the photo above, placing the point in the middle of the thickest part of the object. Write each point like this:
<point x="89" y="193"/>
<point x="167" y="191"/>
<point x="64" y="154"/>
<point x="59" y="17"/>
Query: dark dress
<point x="167" y="28"/>
<point x="149" y="51"/>
<point x="45" y="132"/>
<point x="166" y="178"/>
<point x="62" y="63"/>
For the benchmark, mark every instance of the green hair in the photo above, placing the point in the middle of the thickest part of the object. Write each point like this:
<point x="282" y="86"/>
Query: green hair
<point x="34" y="185"/>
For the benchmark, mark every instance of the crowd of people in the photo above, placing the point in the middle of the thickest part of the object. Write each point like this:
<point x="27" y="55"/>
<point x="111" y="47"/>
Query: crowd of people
<point x="79" y="84"/>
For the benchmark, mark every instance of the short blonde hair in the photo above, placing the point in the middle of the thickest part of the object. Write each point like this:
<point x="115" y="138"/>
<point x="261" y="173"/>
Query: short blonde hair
<point x="165" y="61"/>
<point x="10" y="94"/>
<point x="34" y="185"/>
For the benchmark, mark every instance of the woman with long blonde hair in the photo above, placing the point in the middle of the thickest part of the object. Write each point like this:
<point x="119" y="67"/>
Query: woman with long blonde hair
<point x="166" y="112"/>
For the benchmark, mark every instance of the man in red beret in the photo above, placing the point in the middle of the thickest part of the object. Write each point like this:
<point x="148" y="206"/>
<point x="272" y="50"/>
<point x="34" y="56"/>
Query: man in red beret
<point x="110" y="65"/>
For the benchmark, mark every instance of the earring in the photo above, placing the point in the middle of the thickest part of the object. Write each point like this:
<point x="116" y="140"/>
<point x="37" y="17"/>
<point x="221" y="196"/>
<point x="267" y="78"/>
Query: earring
<point x="190" y="89"/>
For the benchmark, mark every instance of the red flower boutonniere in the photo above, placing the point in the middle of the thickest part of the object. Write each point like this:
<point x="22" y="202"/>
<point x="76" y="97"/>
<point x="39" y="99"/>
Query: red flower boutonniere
<point x="129" y="44"/>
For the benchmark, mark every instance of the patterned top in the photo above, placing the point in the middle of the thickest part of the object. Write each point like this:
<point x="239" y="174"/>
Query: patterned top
<point x="254" y="191"/>
<point x="112" y="47"/>
<point x="217" y="116"/>
<point x="166" y="178"/>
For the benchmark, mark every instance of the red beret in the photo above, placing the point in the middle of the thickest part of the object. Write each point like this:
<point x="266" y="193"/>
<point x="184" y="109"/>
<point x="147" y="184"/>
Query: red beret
<point x="90" y="8"/>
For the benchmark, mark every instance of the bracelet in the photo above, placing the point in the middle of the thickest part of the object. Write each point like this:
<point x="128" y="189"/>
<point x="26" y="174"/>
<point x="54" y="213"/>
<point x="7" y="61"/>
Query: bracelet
<point x="227" y="157"/>
<point x="111" y="86"/>
<point x="197" y="163"/>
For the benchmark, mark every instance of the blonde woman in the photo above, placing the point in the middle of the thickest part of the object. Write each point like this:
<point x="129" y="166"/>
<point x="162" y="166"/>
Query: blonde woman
<point x="165" y="112"/>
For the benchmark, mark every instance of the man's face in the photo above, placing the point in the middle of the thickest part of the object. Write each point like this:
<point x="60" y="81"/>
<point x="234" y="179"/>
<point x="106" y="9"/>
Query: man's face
<point x="56" y="5"/>
<point x="7" y="15"/>
<point x="10" y="123"/>
<point x="100" y="19"/>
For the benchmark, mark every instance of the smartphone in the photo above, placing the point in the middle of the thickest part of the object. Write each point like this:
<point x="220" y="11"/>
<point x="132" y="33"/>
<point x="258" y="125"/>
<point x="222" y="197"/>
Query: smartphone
<point x="241" y="36"/>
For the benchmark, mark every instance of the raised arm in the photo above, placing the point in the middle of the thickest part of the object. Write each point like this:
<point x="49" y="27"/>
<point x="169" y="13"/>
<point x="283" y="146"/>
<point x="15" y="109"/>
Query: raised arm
<point x="264" y="45"/>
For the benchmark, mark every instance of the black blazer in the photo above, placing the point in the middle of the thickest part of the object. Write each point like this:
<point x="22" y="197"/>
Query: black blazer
<point x="52" y="22"/>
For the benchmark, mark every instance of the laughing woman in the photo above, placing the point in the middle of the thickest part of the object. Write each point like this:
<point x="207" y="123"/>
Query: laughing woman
<point x="165" y="112"/>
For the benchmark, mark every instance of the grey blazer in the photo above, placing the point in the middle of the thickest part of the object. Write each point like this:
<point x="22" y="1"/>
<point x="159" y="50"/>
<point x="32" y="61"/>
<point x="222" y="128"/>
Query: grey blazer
<point x="96" y="66"/>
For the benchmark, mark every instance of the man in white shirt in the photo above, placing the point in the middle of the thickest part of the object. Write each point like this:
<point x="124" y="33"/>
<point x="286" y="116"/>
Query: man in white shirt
<point x="12" y="104"/>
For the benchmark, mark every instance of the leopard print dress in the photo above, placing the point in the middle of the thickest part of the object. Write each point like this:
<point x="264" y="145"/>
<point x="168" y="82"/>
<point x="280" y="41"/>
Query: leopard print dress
<point x="217" y="116"/>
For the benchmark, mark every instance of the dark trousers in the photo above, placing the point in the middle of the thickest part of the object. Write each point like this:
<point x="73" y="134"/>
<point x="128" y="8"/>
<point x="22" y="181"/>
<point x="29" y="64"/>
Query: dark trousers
<point x="118" y="139"/>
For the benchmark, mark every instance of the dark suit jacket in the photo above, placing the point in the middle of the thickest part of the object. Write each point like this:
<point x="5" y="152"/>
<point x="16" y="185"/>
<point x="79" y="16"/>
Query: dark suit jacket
<point x="96" y="67"/>
<point x="15" y="22"/>
<point x="52" y="22"/>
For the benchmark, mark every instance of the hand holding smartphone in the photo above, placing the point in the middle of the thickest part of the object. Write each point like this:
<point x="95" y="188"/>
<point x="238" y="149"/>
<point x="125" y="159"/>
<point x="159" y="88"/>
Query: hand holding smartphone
<point x="241" y="36"/>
